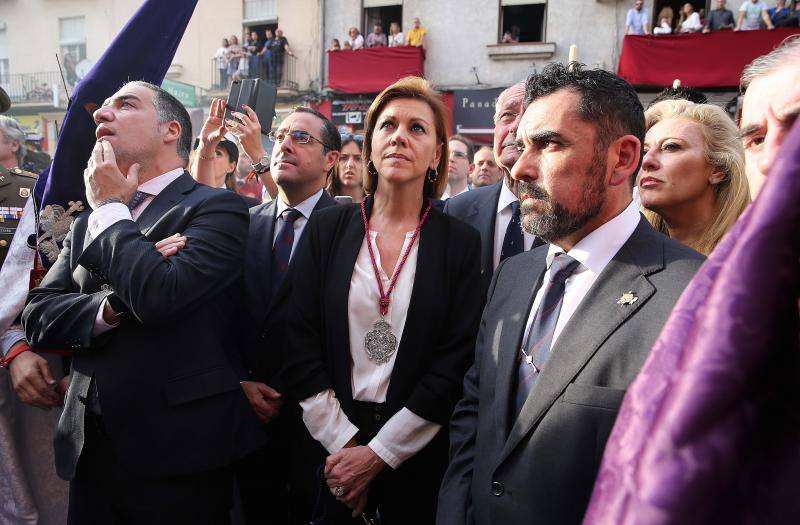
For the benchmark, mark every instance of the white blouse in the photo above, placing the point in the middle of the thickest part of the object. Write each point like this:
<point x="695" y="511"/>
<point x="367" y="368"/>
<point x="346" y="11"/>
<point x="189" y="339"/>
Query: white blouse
<point x="405" y="433"/>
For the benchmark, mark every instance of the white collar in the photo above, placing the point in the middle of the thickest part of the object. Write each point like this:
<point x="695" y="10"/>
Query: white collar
<point x="597" y="249"/>
<point x="305" y="207"/>
<point x="507" y="197"/>
<point x="157" y="184"/>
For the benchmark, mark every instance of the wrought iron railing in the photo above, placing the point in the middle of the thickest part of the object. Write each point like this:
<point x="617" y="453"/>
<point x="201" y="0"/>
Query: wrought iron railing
<point x="34" y="87"/>
<point x="283" y="75"/>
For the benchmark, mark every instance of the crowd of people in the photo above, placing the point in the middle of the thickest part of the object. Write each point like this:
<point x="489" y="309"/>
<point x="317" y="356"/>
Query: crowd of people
<point x="403" y="328"/>
<point x="752" y="15"/>
<point x="255" y="57"/>
<point x="415" y="37"/>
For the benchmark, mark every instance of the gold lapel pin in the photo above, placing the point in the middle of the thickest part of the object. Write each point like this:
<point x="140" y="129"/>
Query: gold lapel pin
<point x="627" y="298"/>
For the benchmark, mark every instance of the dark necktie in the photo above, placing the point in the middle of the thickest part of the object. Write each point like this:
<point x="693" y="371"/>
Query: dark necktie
<point x="513" y="242"/>
<point x="137" y="199"/>
<point x="540" y="334"/>
<point x="282" y="249"/>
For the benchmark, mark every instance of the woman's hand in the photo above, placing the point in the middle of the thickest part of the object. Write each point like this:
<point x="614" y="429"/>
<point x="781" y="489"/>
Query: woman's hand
<point x="248" y="131"/>
<point x="213" y="130"/>
<point x="352" y="469"/>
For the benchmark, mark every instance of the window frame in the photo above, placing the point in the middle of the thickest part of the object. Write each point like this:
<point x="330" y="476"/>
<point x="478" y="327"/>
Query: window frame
<point x="500" y="6"/>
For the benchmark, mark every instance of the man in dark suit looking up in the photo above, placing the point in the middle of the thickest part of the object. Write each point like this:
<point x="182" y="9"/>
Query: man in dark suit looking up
<point x="567" y="325"/>
<point x="306" y="149"/>
<point x="154" y="416"/>
<point x="494" y="210"/>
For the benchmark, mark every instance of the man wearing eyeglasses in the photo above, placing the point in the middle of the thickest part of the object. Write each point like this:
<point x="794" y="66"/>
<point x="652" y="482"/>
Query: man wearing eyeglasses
<point x="306" y="148"/>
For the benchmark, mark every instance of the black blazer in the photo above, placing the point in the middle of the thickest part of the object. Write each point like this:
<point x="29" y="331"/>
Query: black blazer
<point x="438" y="340"/>
<point x="264" y="309"/>
<point x="171" y="402"/>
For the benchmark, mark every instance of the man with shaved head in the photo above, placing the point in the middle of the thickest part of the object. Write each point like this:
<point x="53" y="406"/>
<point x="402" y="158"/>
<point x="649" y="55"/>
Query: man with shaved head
<point x="494" y="210"/>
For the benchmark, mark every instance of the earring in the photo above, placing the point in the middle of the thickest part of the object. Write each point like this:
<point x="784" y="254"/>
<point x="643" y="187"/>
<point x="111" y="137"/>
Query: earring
<point x="371" y="168"/>
<point x="432" y="175"/>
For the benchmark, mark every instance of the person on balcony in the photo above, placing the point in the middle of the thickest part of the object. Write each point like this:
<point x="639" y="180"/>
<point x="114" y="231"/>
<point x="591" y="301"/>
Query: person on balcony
<point x="690" y="20"/>
<point x="719" y="18"/>
<point x="751" y="14"/>
<point x="280" y="47"/>
<point x="637" y="20"/>
<point x="396" y="37"/>
<point x="781" y="15"/>
<point x="254" y="49"/>
<point x="417" y="36"/>
<point x="666" y="18"/>
<point x="377" y="38"/>
<point x="692" y="183"/>
<point x="356" y="40"/>
<point x="265" y="53"/>
<point x="234" y="55"/>
<point x="221" y="59"/>
<point x="335" y="45"/>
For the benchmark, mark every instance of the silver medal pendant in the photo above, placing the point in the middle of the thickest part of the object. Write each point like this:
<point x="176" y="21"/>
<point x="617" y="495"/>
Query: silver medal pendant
<point x="380" y="343"/>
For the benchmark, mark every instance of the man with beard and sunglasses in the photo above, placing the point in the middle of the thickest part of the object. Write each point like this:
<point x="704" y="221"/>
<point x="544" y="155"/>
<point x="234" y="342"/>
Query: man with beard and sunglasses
<point x="567" y="325"/>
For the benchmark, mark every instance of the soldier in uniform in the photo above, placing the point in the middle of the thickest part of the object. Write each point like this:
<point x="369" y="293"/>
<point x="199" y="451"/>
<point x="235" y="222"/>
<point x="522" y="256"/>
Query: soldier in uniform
<point x="30" y="490"/>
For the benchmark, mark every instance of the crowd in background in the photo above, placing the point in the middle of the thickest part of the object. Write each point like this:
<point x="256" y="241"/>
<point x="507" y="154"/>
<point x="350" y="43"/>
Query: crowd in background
<point x="256" y="57"/>
<point x="415" y="37"/>
<point x="752" y="15"/>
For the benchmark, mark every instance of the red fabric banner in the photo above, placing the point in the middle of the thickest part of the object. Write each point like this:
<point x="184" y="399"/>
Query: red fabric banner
<point x="698" y="60"/>
<point x="372" y="70"/>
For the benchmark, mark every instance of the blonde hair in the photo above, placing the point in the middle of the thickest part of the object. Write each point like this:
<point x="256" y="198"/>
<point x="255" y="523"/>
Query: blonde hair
<point x="418" y="89"/>
<point x="724" y="152"/>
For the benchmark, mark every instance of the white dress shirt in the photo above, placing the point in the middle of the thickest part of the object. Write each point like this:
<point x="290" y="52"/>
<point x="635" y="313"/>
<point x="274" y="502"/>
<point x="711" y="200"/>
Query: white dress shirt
<point x="104" y="216"/>
<point x="305" y="208"/>
<point x="446" y="195"/>
<point x="405" y="433"/>
<point x="503" y="219"/>
<point x="593" y="252"/>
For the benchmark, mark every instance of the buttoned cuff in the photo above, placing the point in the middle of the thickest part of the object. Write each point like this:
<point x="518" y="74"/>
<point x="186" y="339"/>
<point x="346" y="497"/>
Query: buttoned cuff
<point x="106" y="215"/>
<point x="326" y="421"/>
<point x="100" y="325"/>
<point x="404" y="435"/>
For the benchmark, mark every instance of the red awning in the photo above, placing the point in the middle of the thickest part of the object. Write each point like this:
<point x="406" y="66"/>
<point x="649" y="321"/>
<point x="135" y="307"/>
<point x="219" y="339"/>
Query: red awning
<point x="372" y="70"/>
<point x="698" y="60"/>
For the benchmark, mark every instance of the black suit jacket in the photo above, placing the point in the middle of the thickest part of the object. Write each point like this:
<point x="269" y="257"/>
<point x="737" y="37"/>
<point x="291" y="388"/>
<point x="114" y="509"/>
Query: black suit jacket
<point x="262" y="321"/>
<point x="171" y="402"/>
<point x="435" y="350"/>
<point x="541" y="467"/>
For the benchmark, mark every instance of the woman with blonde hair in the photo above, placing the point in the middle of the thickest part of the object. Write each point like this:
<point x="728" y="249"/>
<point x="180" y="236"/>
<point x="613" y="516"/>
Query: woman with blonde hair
<point x="692" y="183"/>
<point x="381" y="327"/>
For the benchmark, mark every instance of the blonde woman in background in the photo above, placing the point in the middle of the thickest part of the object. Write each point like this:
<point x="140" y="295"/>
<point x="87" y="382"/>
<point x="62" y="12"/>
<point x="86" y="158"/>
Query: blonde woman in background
<point x="692" y="183"/>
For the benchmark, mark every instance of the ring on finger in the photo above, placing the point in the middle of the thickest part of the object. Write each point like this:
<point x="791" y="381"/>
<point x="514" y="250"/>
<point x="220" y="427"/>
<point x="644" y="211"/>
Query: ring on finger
<point x="338" y="491"/>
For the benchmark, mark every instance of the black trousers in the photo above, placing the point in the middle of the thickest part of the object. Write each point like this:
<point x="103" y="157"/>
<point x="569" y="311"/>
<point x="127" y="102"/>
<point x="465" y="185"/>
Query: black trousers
<point x="104" y="492"/>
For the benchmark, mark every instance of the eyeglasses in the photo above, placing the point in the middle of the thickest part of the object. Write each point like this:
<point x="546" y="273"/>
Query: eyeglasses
<point x="300" y="137"/>
<point x="359" y="137"/>
<point x="458" y="155"/>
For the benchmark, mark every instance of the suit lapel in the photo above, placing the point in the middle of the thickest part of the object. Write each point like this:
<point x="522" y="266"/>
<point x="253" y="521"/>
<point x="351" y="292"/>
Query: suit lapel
<point x="596" y="318"/>
<point x="515" y="315"/>
<point x="173" y="193"/>
<point x="339" y="283"/>
<point x="259" y="259"/>
<point x="482" y="216"/>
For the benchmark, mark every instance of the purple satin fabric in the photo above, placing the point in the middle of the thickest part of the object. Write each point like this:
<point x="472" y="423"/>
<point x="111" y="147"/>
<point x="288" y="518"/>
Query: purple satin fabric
<point x="709" y="430"/>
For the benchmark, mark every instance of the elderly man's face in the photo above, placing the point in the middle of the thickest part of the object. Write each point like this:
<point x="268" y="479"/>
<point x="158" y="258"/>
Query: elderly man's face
<point x="507" y="115"/>
<point x="770" y="107"/>
<point x="8" y="151"/>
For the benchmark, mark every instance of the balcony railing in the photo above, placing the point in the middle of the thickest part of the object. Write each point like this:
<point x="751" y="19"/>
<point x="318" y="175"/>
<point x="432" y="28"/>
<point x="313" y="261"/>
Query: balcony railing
<point x="34" y="87"/>
<point x="284" y="77"/>
<point x="260" y="10"/>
